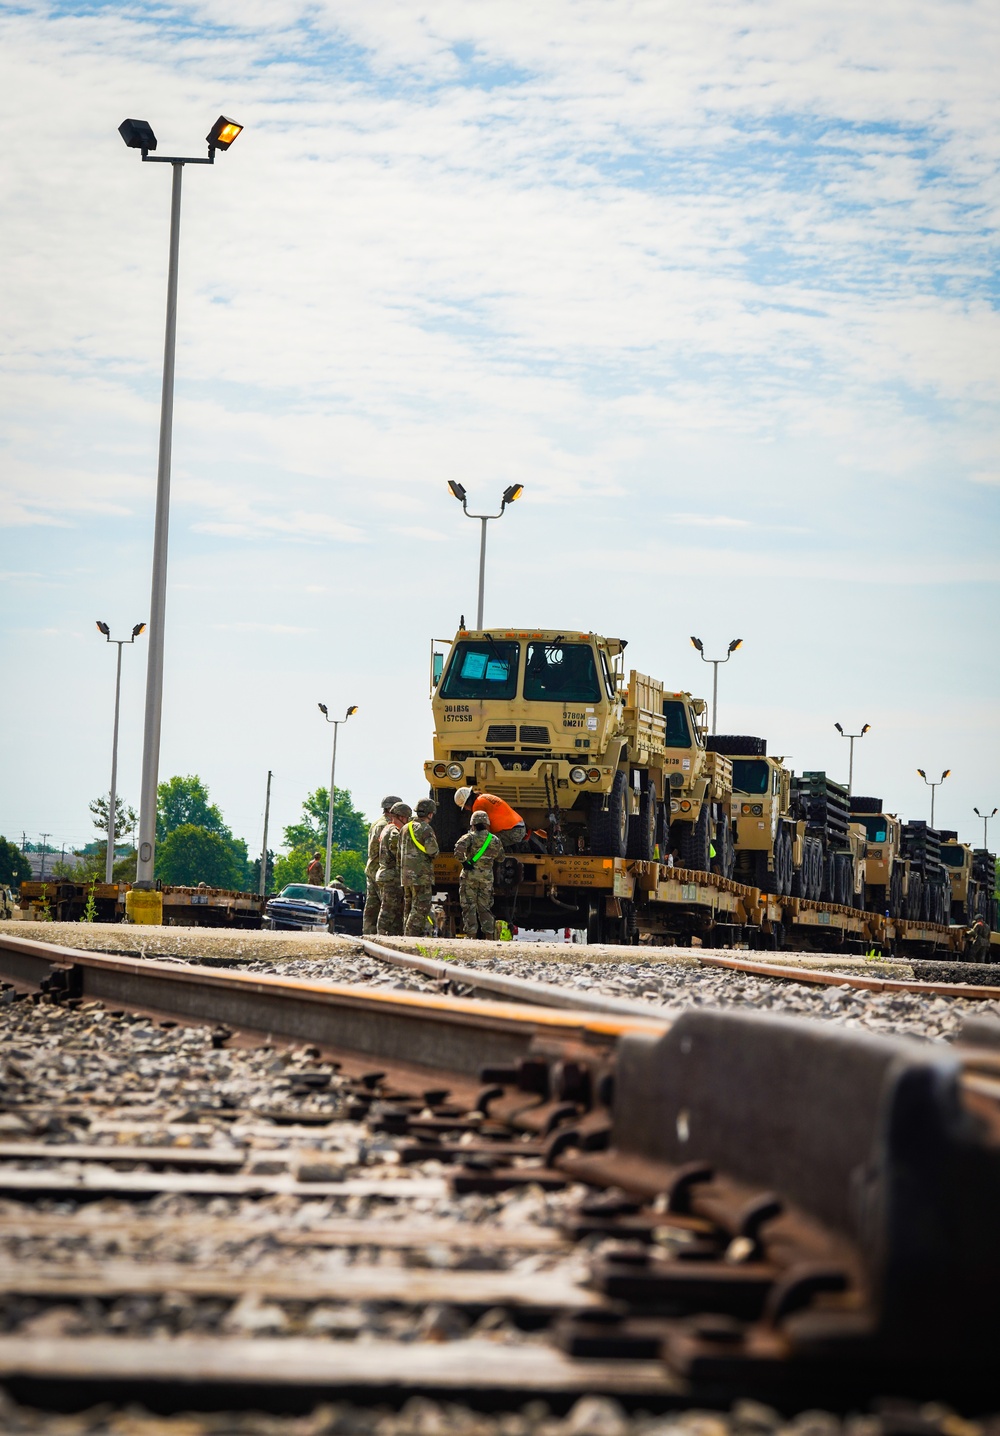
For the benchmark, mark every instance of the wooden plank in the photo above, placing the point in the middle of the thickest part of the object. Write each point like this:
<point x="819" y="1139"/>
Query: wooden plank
<point x="396" y="1236"/>
<point x="383" y="1367"/>
<point x="217" y="1157"/>
<point x="93" y="1181"/>
<point x="406" y="1286"/>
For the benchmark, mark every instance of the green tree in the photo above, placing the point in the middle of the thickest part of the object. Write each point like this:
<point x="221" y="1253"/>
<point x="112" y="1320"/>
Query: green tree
<point x="126" y="820"/>
<point x="183" y="802"/>
<point x="350" y="827"/>
<point x="292" y="867"/>
<point x="14" y="866"/>
<point x="192" y="854"/>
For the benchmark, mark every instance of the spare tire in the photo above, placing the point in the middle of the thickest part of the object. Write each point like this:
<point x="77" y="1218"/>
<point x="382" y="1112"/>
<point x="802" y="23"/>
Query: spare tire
<point x="736" y="745"/>
<point x="609" y="825"/>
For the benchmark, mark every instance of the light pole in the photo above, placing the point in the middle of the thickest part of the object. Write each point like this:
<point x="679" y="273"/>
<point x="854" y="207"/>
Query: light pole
<point x="734" y="644"/>
<point x="263" y="855"/>
<point x="933" y="786"/>
<point x="138" y="135"/>
<point x="986" y="821"/>
<point x="109" y="863"/>
<point x="333" y="774"/>
<point x="510" y="494"/>
<point x="850" y="765"/>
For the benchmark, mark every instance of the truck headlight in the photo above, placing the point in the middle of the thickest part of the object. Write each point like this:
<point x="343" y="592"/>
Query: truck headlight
<point x="440" y="771"/>
<point x="757" y="810"/>
<point x="455" y="770"/>
<point x="578" y="775"/>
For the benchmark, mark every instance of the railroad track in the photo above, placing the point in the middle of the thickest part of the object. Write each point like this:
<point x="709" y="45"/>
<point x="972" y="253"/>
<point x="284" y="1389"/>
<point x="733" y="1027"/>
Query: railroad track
<point x="220" y="1188"/>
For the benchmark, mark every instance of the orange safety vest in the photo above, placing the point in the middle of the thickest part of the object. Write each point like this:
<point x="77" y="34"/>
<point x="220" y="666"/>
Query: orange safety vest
<point x="501" y="815"/>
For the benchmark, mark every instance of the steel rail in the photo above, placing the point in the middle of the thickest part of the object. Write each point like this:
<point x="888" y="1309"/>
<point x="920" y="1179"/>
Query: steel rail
<point x="846" y="979"/>
<point x="519" y="989"/>
<point x="432" y="1031"/>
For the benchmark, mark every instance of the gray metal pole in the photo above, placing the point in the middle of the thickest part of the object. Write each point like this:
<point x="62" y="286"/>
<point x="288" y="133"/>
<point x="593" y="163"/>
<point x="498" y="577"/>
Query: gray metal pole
<point x="329" y="815"/>
<point x="482" y="574"/>
<point x="850" y="768"/>
<point x="109" y="864"/>
<point x="933" y="790"/>
<point x="715" y="690"/>
<point x="158" y="599"/>
<point x="263" y="854"/>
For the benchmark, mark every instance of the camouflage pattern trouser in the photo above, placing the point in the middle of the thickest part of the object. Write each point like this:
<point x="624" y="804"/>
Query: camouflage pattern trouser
<point x="369" y="923"/>
<point x="390" y="911"/>
<point x="475" y="893"/>
<point x="511" y="836"/>
<point x="417" y="908"/>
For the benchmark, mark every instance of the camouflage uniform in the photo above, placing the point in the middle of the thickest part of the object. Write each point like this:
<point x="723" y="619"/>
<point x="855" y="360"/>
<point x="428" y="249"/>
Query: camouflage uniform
<point x="370" y="922"/>
<point x="475" y="882"/>
<point x="418" y="847"/>
<point x="390" y="912"/>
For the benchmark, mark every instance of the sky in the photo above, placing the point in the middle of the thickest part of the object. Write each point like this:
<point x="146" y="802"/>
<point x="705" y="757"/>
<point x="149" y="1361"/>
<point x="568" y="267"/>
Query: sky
<point x="717" y="284"/>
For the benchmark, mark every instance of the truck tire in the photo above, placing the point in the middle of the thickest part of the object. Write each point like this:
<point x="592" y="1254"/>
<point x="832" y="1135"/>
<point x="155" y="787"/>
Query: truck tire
<point x="724" y="861"/>
<point x="695" y="842"/>
<point x="449" y="823"/>
<point x="736" y="745"/>
<point x="642" y="828"/>
<point x="609" y="826"/>
<point x="896" y="891"/>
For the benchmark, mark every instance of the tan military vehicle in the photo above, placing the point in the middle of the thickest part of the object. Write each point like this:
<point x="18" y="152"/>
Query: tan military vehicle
<point x="595" y="763"/>
<point x="886" y="871"/>
<point x="773" y="851"/>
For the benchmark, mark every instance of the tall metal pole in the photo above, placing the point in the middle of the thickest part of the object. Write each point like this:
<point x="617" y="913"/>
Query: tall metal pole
<point x="482" y="573"/>
<point x="263" y="854"/>
<point x="850" y="768"/>
<point x="109" y="864"/>
<point x="158" y="599"/>
<point x="715" y="689"/>
<point x="329" y="815"/>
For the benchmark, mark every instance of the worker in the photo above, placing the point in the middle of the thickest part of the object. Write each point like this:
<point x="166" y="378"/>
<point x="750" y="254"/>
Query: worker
<point x="504" y="822"/>
<point x="477" y="851"/>
<point x="390" y="893"/>
<point x="315" y="871"/>
<point x="418" y="847"/>
<point x="369" y="923"/>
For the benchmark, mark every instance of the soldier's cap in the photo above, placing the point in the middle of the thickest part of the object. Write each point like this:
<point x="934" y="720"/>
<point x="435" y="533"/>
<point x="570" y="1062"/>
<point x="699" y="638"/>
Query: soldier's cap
<point x="401" y="810"/>
<point x="426" y="808"/>
<point x="462" y="796"/>
<point x="480" y="820"/>
<point x="389" y="801"/>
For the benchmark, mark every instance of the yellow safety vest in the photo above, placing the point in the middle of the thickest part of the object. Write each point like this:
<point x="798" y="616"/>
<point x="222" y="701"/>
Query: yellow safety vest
<point x="415" y="839"/>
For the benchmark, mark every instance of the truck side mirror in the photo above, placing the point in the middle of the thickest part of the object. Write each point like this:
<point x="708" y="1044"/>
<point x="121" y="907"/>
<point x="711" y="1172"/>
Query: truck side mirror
<point x="437" y="669"/>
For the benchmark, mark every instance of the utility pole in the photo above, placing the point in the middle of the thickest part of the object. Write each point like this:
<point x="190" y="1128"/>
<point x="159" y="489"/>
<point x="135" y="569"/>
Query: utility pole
<point x="263" y="855"/>
<point x="933" y="787"/>
<point x="45" y="849"/>
<point x="510" y="495"/>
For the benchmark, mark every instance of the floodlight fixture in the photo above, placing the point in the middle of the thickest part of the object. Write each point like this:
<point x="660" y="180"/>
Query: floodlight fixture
<point x="322" y="708"/>
<point x="512" y="493"/>
<point x="223" y="133"/>
<point x="139" y="628"/>
<point x="138" y="135"/>
<point x="734" y="644"/>
<point x="698" y="644"/>
<point x="457" y="490"/>
<point x="104" y="628"/>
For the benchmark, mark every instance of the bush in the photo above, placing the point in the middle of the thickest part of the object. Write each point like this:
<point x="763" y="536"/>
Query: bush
<point x="14" y="866"/>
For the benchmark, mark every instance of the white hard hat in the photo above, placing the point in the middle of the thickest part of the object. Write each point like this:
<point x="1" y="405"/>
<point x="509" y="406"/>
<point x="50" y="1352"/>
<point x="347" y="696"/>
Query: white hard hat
<point x="462" y="796"/>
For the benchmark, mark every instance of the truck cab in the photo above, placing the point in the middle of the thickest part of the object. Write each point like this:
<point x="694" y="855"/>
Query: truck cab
<point x="886" y="873"/>
<point x="959" y="860"/>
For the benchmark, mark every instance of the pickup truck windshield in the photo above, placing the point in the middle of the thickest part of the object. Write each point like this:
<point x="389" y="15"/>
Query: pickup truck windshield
<point x="481" y="669"/>
<point x="749" y="775"/>
<point x="561" y="673"/>
<point x="305" y="892"/>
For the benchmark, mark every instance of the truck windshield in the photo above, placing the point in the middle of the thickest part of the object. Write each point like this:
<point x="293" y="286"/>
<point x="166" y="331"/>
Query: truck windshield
<point x="953" y="856"/>
<point x="561" y="673"/>
<point x="749" y="775"/>
<point x="303" y="892"/>
<point x="482" y="669"/>
<point x="876" y="828"/>
<point x="677" y="734"/>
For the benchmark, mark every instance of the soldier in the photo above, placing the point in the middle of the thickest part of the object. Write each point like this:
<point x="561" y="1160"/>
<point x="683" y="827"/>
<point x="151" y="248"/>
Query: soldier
<point x="477" y="851"/>
<point x="504" y="821"/>
<point x="390" y="893"/>
<point x="418" y="847"/>
<point x="370" y="921"/>
<point x="314" y="872"/>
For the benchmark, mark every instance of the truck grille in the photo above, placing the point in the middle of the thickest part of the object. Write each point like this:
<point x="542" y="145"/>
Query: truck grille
<point x="532" y="734"/>
<point x="501" y="733"/>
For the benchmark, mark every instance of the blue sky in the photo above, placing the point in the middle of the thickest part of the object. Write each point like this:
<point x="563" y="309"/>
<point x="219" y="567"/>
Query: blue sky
<point x="718" y="284"/>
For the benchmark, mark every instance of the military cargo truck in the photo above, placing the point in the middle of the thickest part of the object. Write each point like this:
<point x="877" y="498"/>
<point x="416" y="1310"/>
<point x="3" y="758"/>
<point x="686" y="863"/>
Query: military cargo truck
<point x="972" y="874"/>
<point x="773" y="850"/>
<point x="596" y="764"/>
<point x="887" y="872"/>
